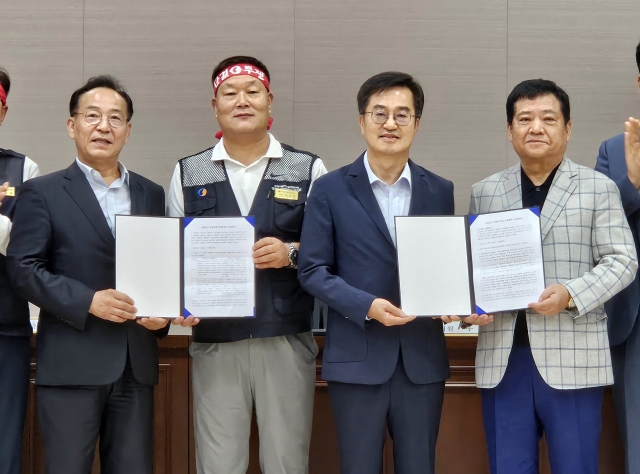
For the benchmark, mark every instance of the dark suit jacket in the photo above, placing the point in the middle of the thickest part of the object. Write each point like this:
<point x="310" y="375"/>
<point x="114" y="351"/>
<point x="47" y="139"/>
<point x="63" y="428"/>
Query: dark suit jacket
<point x="622" y="309"/>
<point x="61" y="252"/>
<point x="347" y="259"/>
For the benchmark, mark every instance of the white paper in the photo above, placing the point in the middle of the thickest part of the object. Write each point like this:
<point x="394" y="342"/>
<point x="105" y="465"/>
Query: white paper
<point x="508" y="269"/>
<point x="148" y="263"/>
<point x="433" y="265"/>
<point x="218" y="267"/>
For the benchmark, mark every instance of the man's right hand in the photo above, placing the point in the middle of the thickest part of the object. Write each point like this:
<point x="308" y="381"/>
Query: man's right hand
<point x="632" y="150"/>
<point x="383" y="311"/>
<point x="113" y="306"/>
<point x="3" y="191"/>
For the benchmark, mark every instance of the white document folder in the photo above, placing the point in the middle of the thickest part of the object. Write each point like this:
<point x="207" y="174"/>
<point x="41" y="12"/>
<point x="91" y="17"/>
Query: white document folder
<point x="461" y="265"/>
<point x="175" y="267"/>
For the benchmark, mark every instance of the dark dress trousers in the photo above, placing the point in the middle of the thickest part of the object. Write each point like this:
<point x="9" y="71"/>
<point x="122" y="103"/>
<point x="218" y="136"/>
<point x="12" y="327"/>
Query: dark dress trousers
<point x="377" y="374"/>
<point x="95" y="378"/>
<point x="622" y="311"/>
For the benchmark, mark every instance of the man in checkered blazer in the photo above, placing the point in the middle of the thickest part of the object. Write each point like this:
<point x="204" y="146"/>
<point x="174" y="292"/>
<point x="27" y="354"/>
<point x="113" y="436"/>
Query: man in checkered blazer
<point x="543" y="369"/>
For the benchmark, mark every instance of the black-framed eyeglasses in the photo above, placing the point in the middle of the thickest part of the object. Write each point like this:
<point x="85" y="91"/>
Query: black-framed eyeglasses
<point x="380" y="116"/>
<point x="93" y="117"/>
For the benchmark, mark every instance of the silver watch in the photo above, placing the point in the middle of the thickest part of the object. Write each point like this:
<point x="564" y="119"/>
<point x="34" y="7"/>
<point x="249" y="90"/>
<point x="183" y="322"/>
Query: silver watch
<point x="293" y="255"/>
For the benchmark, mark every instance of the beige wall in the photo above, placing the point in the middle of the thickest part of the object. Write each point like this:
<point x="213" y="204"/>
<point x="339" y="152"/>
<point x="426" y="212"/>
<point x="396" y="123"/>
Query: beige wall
<point x="468" y="54"/>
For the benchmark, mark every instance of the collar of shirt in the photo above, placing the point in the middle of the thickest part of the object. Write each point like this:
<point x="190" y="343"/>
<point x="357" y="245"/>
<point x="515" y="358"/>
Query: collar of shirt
<point x="220" y="152"/>
<point x="406" y="174"/>
<point x="527" y="184"/>
<point x="94" y="177"/>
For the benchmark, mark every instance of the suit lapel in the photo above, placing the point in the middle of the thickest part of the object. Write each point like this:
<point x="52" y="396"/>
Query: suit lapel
<point x="80" y="191"/>
<point x="138" y="196"/>
<point x="424" y="202"/>
<point x="359" y="182"/>
<point x="512" y="196"/>
<point x="561" y="188"/>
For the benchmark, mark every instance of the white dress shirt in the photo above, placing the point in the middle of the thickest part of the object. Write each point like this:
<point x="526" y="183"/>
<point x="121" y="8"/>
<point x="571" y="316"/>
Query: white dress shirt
<point x="395" y="199"/>
<point x="29" y="171"/>
<point x="114" y="198"/>
<point x="244" y="180"/>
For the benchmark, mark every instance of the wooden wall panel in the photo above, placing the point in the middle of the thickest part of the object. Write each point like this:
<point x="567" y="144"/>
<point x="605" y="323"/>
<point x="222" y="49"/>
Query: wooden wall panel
<point x="41" y="44"/>
<point x="588" y="48"/>
<point x="457" y="50"/>
<point x="165" y="53"/>
<point x="467" y="54"/>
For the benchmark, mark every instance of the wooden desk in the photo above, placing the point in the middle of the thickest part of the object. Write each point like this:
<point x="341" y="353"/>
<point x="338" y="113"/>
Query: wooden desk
<point x="461" y="445"/>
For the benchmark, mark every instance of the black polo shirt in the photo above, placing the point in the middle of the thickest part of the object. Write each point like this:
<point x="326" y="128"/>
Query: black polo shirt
<point x="532" y="196"/>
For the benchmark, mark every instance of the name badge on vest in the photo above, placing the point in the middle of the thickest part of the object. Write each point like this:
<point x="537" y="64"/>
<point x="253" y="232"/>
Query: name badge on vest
<point x="11" y="191"/>
<point x="287" y="194"/>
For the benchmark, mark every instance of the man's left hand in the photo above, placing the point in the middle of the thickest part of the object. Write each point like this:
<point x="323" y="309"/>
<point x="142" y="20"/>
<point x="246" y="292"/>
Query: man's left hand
<point x="552" y="300"/>
<point x="270" y="252"/>
<point x="153" y="324"/>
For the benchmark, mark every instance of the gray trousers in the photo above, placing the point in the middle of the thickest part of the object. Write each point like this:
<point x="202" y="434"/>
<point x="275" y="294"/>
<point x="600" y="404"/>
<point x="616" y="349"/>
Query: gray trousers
<point x="274" y="375"/>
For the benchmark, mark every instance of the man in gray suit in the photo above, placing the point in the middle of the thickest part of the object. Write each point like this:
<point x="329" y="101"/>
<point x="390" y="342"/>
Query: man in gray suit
<point x="543" y="369"/>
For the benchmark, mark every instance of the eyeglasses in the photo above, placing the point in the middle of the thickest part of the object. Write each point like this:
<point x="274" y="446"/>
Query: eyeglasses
<point x="380" y="116"/>
<point x="93" y="117"/>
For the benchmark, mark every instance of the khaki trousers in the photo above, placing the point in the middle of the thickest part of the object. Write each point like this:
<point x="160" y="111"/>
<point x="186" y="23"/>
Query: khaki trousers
<point x="274" y="375"/>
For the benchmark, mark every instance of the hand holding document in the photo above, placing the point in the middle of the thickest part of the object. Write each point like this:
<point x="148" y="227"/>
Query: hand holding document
<point x="182" y="267"/>
<point x="113" y="306"/>
<point x="385" y="312"/>
<point x="552" y="300"/>
<point x="479" y="264"/>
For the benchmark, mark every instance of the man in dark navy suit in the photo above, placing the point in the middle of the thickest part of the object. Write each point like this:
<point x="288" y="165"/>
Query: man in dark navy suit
<point x="622" y="309"/>
<point x="96" y="364"/>
<point x="384" y="368"/>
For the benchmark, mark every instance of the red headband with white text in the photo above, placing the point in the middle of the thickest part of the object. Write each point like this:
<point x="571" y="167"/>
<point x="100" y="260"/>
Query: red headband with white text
<point x="3" y="95"/>
<point x="240" y="70"/>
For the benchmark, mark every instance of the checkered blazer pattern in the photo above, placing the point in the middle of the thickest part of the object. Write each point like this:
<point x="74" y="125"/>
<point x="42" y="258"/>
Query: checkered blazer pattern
<point x="587" y="246"/>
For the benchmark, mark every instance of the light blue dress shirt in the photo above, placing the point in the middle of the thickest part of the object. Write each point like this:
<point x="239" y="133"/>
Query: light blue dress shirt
<point x="113" y="199"/>
<point x="395" y="199"/>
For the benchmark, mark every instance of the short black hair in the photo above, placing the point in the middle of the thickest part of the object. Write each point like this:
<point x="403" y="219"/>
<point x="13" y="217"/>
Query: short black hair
<point x="106" y="81"/>
<point x="534" y="88"/>
<point x="5" y="80"/>
<point x="638" y="56"/>
<point x="225" y="63"/>
<point x="385" y="81"/>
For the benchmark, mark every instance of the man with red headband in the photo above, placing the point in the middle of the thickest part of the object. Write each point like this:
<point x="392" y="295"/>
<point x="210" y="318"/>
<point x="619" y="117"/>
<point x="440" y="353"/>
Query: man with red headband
<point x="267" y="362"/>
<point x="15" y="329"/>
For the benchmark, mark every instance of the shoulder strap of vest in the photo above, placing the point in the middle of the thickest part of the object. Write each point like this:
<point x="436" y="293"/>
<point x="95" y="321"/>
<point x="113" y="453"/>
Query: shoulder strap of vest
<point x="200" y="169"/>
<point x="312" y="156"/>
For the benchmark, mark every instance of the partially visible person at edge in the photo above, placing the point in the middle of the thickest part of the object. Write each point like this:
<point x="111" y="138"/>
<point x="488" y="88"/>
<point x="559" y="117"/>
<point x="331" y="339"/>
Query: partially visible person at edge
<point x="619" y="159"/>
<point x="267" y="363"/>
<point x="15" y="328"/>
